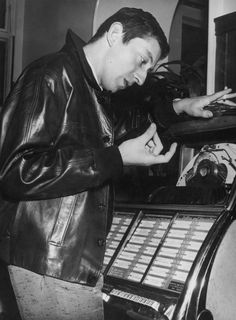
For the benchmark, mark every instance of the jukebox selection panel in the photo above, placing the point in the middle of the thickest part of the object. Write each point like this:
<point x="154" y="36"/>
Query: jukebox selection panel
<point x="160" y="251"/>
<point x="133" y="260"/>
<point x="120" y="224"/>
<point x="170" y="268"/>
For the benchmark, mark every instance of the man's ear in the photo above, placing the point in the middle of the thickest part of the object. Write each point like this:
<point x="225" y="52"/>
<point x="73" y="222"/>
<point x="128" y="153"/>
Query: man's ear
<point x="114" y="33"/>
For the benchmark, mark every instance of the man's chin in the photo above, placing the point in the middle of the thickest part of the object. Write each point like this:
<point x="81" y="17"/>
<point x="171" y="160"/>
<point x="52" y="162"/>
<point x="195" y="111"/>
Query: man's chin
<point x="121" y="88"/>
<point x="113" y="90"/>
<point x="116" y="88"/>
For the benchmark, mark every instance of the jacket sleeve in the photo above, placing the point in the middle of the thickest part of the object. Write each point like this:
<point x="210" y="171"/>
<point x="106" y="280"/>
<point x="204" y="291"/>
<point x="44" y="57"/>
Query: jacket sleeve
<point x="137" y="106"/>
<point x="163" y="112"/>
<point x="36" y="160"/>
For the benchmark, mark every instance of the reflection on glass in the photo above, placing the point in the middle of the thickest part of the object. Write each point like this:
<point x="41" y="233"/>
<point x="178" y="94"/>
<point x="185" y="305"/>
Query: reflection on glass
<point x="2" y="68"/>
<point x="2" y="14"/>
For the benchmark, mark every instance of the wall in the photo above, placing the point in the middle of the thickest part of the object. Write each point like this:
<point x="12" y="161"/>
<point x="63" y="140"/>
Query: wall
<point x="229" y="6"/>
<point x="46" y="23"/>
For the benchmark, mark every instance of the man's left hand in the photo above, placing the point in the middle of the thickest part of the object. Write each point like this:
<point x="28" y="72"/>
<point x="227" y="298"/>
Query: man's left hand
<point x="195" y="106"/>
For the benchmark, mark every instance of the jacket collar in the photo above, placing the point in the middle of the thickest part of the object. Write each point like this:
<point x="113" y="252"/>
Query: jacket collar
<point x="76" y="44"/>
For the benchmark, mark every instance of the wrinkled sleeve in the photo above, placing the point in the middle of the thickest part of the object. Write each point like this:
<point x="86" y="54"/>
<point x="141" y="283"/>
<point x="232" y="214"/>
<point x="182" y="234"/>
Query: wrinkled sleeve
<point x="34" y="162"/>
<point x="163" y="112"/>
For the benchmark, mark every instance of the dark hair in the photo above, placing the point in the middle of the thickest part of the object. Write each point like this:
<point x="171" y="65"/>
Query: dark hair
<point x="136" y="23"/>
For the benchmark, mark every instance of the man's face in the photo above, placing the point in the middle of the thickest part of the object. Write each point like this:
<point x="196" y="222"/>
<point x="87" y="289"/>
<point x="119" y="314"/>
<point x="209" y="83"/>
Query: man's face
<point x="129" y="63"/>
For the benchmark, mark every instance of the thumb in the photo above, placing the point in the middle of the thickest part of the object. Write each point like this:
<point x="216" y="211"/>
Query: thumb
<point x="207" y="114"/>
<point x="149" y="133"/>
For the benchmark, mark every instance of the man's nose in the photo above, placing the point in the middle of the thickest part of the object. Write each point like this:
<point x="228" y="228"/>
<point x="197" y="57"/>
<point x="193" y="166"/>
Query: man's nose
<point x="140" y="77"/>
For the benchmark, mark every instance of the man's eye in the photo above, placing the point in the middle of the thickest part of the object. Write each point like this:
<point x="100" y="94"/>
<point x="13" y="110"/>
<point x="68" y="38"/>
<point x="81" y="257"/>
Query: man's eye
<point x="142" y="61"/>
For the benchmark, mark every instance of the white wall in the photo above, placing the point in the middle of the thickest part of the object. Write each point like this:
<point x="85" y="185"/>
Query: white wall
<point x="229" y="6"/>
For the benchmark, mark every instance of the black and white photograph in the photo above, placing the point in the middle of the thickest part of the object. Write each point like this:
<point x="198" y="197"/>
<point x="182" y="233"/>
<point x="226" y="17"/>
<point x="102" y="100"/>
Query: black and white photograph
<point x="117" y="159"/>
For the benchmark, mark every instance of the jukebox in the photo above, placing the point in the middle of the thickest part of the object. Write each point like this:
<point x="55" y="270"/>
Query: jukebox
<point x="174" y="256"/>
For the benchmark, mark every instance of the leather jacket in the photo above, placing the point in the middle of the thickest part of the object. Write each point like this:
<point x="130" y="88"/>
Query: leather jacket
<point x="57" y="161"/>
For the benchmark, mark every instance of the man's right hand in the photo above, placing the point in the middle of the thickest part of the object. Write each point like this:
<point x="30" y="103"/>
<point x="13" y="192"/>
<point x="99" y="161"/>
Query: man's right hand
<point x="145" y="150"/>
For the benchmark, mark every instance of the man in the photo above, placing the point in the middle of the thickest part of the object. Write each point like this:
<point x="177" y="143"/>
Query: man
<point x="58" y="159"/>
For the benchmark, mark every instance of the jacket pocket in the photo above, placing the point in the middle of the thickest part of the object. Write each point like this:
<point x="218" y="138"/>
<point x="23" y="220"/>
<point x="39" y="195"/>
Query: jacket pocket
<point x="63" y="220"/>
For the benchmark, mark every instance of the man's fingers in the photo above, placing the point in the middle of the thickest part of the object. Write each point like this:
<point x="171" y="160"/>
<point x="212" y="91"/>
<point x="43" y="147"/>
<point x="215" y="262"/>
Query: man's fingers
<point x="164" y="158"/>
<point x="157" y="139"/>
<point x="227" y="96"/>
<point x="151" y="143"/>
<point x="157" y="144"/>
<point x="219" y="95"/>
<point x="206" y="114"/>
<point x="228" y="103"/>
<point x="148" y="134"/>
<point x="169" y="154"/>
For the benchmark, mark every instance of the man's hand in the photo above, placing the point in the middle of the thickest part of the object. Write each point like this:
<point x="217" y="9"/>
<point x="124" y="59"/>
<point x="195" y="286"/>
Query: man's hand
<point x="145" y="150"/>
<point x="195" y="106"/>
